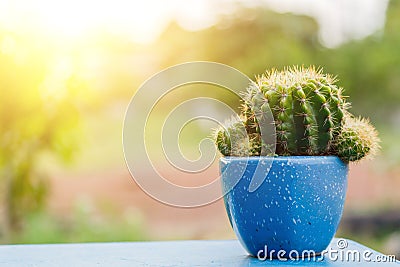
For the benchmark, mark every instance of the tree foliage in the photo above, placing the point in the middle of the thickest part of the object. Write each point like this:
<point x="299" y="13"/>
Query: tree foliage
<point x="33" y="119"/>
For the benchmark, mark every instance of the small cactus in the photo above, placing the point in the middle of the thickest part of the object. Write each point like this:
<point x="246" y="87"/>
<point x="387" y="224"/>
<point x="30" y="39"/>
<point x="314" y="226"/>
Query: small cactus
<point x="357" y="139"/>
<point x="233" y="140"/>
<point x="309" y="114"/>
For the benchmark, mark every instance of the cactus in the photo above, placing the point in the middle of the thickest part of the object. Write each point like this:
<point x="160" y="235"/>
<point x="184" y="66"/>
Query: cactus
<point x="233" y="140"/>
<point x="307" y="107"/>
<point x="309" y="114"/>
<point x="358" y="139"/>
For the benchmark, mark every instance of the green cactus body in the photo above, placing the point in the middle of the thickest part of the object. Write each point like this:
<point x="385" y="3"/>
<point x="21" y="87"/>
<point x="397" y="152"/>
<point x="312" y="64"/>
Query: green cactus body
<point x="358" y="139"/>
<point x="281" y="102"/>
<point x="307" y="108"/>
<point x="233" y="140"/>
<point x="223" y="142"/>
<point x="323" y="117"/>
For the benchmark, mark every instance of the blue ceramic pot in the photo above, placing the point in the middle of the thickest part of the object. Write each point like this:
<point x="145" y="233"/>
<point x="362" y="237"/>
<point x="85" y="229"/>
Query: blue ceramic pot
<point x="297" y="205"/>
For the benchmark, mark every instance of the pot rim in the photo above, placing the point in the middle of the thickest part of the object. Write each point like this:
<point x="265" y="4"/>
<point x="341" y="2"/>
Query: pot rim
<point x="302" y="159"/>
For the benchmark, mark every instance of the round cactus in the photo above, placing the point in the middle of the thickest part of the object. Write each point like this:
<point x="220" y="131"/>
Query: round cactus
<point x="307" y="107"/>
<point x="357" y="139"/>
<point x="233" y="140"/>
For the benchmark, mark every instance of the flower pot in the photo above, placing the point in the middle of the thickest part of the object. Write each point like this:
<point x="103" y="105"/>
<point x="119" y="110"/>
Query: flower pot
<point x="296" y="207"/>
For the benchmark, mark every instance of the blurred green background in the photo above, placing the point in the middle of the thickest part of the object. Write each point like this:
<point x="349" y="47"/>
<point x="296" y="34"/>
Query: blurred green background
<point x="68" y="71"/>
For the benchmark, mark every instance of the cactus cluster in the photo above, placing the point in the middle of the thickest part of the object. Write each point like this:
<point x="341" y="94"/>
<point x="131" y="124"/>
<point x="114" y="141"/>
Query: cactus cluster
<point x="310" y="116"/>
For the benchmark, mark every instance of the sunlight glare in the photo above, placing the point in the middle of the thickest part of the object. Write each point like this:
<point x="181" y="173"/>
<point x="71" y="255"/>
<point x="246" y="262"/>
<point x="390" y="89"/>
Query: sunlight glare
<point x="76" y="19"/>
<point x="68" y="18"/>
<point x="54" y="86"/>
